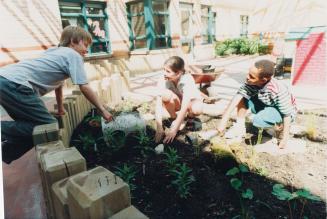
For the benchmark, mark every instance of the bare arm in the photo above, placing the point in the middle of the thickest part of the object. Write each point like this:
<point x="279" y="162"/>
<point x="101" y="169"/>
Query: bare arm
<point x="59" y="99"/>
<point x="93" y="98"/>
<point x="232" y="105"/>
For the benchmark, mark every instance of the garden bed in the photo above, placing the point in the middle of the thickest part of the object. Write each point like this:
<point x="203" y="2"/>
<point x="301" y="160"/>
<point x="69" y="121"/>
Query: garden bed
<point x="189" y="181"/>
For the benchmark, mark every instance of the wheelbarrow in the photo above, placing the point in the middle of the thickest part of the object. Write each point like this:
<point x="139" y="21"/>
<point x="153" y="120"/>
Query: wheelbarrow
<point x="204" y="74"/>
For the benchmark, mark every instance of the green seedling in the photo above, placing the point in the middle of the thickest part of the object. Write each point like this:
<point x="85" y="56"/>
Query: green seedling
<point x="88" y="142"/>
<point x="171" y="159"/>
<point x="128" y="174"/>
<point x="243" y="193"/>
<point x="116" y="139"/>
<point x="144" y="144"/>
<point x="302" y="195"/>
<point x="183" y="179"/>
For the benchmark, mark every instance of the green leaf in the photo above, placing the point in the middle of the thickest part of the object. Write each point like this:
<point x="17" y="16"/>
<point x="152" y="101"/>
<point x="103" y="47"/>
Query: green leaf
<point x="281" y="193"/>
<point x="232" y="171"/>
<point x="307" y="195"/>
<point x="247" y="194"/>
<point x="236" y="183"/>
<point x="244" y="168"/>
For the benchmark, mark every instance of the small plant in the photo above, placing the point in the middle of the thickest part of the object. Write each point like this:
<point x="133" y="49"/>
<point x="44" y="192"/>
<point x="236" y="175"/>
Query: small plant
<point x="88" y="142"/>
<point x="183" y="180"/>
<point x="171" y="159"/>
<point x="127" y="173"/>
<point x="144" y="143"/>
<point x="243" y="194"/>
<point x="302" y="195"/>
<point x="116" y="139"/>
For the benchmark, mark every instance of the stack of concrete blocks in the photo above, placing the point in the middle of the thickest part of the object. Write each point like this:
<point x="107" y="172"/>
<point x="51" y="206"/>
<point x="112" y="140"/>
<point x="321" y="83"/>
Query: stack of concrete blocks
<point x="77" y="105"/>
<point x="96" y="194"/>
<point x="40" y="150"/>
<point x="129" y="213"/>
<point x="58" y="165"/>
<point x="65" y="129"/>
<point x="45" y="133"/>
<point x="59" y="198"/>
<point x="85" y="106"/>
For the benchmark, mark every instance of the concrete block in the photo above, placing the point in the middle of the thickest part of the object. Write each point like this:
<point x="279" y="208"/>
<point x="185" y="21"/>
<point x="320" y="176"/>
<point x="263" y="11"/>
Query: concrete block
<point x="85" y="105"/>
<point x="58" y="165"/>
<point x="66" y="130"/>
<point x="60" y="203"/>
<point x="76" y="101"/>
<point x="129" y="213"/>
<point x="45" y="133"/>
<point x="40" y="150"/>
<point x="74" y="111"/>
<point x="97" y="194"/>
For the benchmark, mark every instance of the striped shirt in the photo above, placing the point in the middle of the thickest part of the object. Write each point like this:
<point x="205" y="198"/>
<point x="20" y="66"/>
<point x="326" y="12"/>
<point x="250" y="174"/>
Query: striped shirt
<point x="273" y="94"/>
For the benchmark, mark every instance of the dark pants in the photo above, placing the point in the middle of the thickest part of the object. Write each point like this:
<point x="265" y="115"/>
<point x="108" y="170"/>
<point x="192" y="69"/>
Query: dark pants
<point x="27" y="110"/>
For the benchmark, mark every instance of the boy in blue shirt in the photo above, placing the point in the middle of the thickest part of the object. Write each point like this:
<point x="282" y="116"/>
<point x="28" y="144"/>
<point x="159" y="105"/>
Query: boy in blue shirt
<point x="22" y="84"/>
<point x="270" y="102"/>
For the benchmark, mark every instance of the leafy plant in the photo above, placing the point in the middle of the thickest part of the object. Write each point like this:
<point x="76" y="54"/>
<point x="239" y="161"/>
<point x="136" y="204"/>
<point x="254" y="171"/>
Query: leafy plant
<point x="237" y="183"/>
<point x="88" y="142"/>
<point x="127" y="173"/>
<point x="116" y="139"/>
<point x="144" y="143"/>
<point x="183" y="180"/>
<point x="302" y="195"/>
<point x="171" y="159"/>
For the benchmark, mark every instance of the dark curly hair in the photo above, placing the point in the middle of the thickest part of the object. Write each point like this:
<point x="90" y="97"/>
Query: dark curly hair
<point x="266" y="68"/>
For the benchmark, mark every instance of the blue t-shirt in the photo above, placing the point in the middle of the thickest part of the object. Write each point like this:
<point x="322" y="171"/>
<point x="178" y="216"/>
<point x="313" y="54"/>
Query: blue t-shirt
<point x="49" y="71"/>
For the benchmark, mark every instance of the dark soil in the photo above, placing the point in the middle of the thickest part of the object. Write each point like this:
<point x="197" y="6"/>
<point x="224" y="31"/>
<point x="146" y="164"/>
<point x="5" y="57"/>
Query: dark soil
<point x="211" y="193"/>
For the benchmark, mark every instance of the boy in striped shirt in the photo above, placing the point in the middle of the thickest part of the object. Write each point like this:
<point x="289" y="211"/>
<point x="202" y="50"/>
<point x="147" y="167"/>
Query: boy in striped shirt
<point x="269" y="100"/>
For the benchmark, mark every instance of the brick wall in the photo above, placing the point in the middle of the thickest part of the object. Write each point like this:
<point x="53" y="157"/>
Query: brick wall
<point x="310" y="61"/>
<point x="27" y="28"/>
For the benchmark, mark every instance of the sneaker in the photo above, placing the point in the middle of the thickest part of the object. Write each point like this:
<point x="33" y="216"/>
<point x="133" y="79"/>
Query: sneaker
<point x="237" y="131"/>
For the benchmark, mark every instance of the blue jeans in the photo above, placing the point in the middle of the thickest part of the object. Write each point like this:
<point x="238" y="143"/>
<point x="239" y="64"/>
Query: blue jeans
<point x="26" y="109"/>
<point x="264" y="116"/>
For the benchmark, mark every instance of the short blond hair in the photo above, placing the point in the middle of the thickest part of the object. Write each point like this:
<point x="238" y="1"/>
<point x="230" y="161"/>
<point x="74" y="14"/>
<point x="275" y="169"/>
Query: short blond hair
<point x="74" y="34"/>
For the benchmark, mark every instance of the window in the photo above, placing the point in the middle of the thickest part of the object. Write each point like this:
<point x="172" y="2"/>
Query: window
<point x="244" y="25"/>
<point x="207" y="22"/>
<point x="148" y="24"/>
<point x="92" y="17"/>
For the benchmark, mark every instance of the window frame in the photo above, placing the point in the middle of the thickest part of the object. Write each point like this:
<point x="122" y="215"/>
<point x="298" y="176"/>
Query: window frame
<point x="209" y="28"/>
<point x="83" y="6"/>
<point x="150" y="34"/>
<point x="244" y="25"/>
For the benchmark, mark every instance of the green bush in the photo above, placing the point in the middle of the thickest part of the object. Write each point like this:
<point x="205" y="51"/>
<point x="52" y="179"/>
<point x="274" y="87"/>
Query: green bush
<point x="263" y="49"/>
<point x="241" y="45"/>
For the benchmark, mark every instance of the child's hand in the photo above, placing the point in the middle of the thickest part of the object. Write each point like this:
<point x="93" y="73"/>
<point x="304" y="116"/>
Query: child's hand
<point x="170" y="135"/>
<point x="106" y="115"/>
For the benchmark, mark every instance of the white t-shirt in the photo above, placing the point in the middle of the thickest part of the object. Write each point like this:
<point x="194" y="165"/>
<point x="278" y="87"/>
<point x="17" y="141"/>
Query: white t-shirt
<point x="186" y="87"/>
<point x="49" y="71"/>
